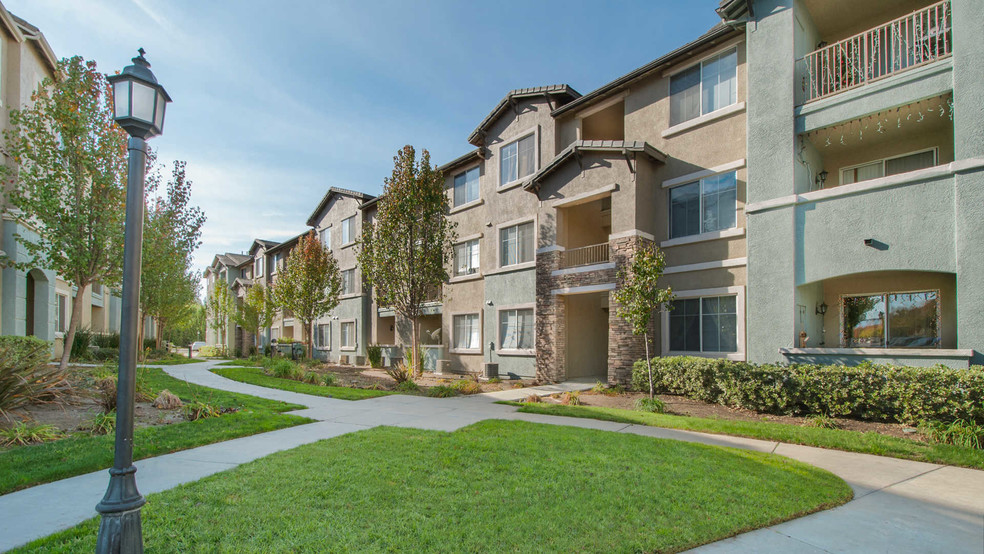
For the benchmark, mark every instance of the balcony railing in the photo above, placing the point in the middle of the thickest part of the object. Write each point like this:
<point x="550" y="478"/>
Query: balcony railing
<point x="921" y="37"/>
<point x="586" y="255"/>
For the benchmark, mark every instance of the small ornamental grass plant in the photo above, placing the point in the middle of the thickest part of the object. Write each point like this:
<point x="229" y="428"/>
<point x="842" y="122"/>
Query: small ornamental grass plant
<point x="652" y="405"/>
<point x="442" y="391"/>
<point x="23" y="433"/>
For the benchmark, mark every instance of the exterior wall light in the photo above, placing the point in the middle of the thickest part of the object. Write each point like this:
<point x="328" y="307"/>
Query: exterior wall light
<point x="821" y="178"/>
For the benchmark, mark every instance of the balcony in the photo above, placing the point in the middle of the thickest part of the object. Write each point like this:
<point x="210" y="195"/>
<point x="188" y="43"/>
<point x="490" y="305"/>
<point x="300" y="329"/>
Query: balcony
<point x="905" y="43"/>
<point x="585" y="255"/>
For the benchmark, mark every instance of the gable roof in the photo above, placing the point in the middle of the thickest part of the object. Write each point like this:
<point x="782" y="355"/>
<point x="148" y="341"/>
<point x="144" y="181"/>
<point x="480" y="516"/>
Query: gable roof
<point x="261" y="243"/>
<point x="716" y="33"/>
<point x="287" y="243"/>
<point x="360" y="196"/>
<point x="564" y="92"/>
<point x="461" y="160"/>
<point x="32" y="33"/>
<point x="578" y="146"/>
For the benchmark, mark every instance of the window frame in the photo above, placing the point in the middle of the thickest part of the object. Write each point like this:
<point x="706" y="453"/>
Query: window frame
<point x="355" y="288"/>
<point x="348" y="224"/>
<point x="887" y="329"/>
<point x="700" y="196"/>
<point x="355" y="335"/>
<point x="481" y="334"/>
<point x="498" y="331"/>
<point x="477" y="239"/>
<point x="700" y="91"/>
<point x="319" y="345"/>
<point x="739" y="293"/>
<point x="323" y="234"/>
<point x="498" y="243"/>
<point x="840" y="172"/>
<point x="535" y="133"/>
<point x="478" y="192"/>
<point x="62" y="307"/>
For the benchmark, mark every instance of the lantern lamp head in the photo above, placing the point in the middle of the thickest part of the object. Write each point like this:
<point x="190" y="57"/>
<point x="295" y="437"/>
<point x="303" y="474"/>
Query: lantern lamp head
<point x="139" y="100"/>
<point x="821" y="308"/>
<point x="822" y="178"/>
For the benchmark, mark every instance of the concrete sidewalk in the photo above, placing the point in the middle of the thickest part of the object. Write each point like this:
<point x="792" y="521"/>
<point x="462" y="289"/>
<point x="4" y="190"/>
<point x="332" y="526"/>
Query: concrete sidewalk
<point x="899" y="506"/>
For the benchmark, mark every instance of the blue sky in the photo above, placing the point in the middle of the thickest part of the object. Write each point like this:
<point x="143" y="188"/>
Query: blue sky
<point x="274" y="102"/>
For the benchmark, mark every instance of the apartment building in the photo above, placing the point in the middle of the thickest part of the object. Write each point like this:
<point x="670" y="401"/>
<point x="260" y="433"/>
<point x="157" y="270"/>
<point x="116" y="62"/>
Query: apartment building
<point x="231" y="271"/>
<point x="37" y="302"/>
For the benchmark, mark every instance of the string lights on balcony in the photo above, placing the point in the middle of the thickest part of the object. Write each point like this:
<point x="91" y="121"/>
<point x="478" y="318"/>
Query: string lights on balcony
<point x="915" y="112"/>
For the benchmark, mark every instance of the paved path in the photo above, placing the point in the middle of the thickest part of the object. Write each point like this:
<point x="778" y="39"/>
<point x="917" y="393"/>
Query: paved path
<point x="899" y="506"/>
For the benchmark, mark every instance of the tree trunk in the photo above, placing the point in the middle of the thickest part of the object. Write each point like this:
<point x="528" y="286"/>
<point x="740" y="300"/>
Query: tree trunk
<point x="309" y="347"/>
<point x="649" y="365"/>
<point x="415" y="348"/>
<point x="73" y="325"/>
<point x="140" y="338"/>
<point x="159" y="333"/>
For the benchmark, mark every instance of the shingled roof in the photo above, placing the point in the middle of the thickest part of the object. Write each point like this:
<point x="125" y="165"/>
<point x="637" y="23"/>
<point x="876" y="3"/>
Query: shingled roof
<point x="564" y="92"/>
<point x="578" y="146"/>
<point x="360" y="196"/>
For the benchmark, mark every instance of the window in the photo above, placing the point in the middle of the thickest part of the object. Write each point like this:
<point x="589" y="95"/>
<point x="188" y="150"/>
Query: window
<point x="706" y="324"/>
<point x="466" y="187"/>
<point x="276" y="262"/>
<point x="322" y="336"/>
<point x="347" y="329"/>
<point x="258" y="268"/>
<point x="888" y="166"/>
<point x="516" y="329"/>
<point x="704" y="206"/>
<point x="467" y="333"/>
<point x="62" y="315"/>
<point x="326" y="238"/>
<point x="275" y="333"/>
<point x="517" y="159"/>
<point x="97" y="288"/>
<point x="466" y="259"/>
<point x="704" y="88"/>
<point x="348" y="281"/>
<point x="348" y="230"/>
<point x="516" y="244"/>
<point x="895" y="320"/>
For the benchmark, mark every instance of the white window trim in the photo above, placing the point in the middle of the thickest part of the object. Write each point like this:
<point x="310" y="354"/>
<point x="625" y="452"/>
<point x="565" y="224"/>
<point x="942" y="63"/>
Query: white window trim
<point x="355" y="335"/>
<point x="669" y="206"/>
<point x="498" y="243"/>
<point x="68" y="313"/>
<point x="703" y="237"/>
<point x="498" y="331"/>
<point x="685" y="65"/>
<point x="840" y="172"/>
<point x="885" y="294"/>
<point x="481" y="334"/>
<point x="471" y="203"/>
<point x="356" y="288"/>
<point x="703" y="117"/>
<point x="709" y="172"/>
<point x="323" y="347"/>
<point x="739" y="293"/>
<point x="454" y="261"/>
<point x="331" y="233"/>
<point x="467" y="205"/>
<point x="535" y="131"/>
<point x="716" y="264"/>
<point x="354" y="232"/>
<point x="584" y="198"/>
<point x="701" y="120"/>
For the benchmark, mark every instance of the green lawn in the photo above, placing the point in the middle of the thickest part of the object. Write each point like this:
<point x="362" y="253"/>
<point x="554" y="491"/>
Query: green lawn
<point x="25" y="466"/>
<point x="240" y="363"/>
<point x="172" y="361"/>
<point x="255" y="376"/>
<point x="851" y="441"/>
<point x="495" y="486"/>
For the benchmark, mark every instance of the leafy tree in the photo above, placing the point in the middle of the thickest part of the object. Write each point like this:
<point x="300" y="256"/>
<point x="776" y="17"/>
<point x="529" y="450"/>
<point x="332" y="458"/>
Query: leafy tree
<point x="219" y="306"/>
<point x="405" y="252"/>
<point x="70" y="177"/>
<point x="310" y="283"/>
<point x="172" y="233"/>
<point x="639" y="295"/>
<point x="189" y="327"/>
<point x="257" y="310"/>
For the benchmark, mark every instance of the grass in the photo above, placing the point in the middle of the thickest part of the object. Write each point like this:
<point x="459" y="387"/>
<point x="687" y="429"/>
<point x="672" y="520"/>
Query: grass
<point x="26" y="466"/>
<point x="255" y="376"/>
<point x="495" y="486"/>
<point x="850" y="441"/>
<point x="241" y="363"/>
<point x="174" y="360"/>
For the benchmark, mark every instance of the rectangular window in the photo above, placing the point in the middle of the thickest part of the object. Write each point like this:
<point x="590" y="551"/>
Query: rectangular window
<point x="466" y="258"/>
<point x="516" y="244"/>
<point x="517" y="159"/>
<point x="276" y="262"/>
<point x="706" y="324"/>
<point x="704" y="206"/>
<point x="466" y="187"/>
<point x="258" y="268"/>
<point x="62" y="316"/>
<point x="348" y="281"/>
<point x="348" y="230"/>
<point x="326" y="238"/>
<point x="895" y="320"/>
<point x="888" y="166"/>
<point x="516" y="329"/>
<point x="704" y="88"/>
<point x="467" y="333"/>
<point x="347" y="331"/>
<point x="322" y="336"/>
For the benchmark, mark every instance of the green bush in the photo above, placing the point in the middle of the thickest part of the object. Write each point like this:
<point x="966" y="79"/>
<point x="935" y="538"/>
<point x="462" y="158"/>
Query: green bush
<point x="653" y="405"/>
<point x="866" y="392"/>
<point x="24" y="433"/>
<point x="285" y="369"/>
<point x="408" y="386"/>
<point x="467" y="386"/>
<point x="441" y="391"/>
<point x="959" y="433"/>
<point x="102" y="354"/>
<point x="374" y="354"/>
<point x="329" y="379"/>
<point x="81" y="343"/>
<point x="25" y="375"/>
<point x="110" y="340"/>
<point x="209" y="351"/>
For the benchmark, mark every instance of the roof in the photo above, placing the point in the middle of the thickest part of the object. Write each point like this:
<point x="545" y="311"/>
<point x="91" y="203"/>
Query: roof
<point x="241" y="282"/>
<point x="461" y="160"/>
<point x="574" y="150"/>
<point x="32" y="33"/>
<point x="733" y="9"/>
<point x="312" y="220"/>
<point x="564" y="91"/>
<point x="717" y="32"/>
<point x="287" y="243"/>
<point x="237" y="260"/>
<point x="262" y="243"/>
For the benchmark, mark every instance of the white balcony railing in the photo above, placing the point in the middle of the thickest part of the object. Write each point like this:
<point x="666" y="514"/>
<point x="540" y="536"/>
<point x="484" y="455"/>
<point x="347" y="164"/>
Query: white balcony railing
<point x="586" y="255"/>
<point x="921" y="37"/>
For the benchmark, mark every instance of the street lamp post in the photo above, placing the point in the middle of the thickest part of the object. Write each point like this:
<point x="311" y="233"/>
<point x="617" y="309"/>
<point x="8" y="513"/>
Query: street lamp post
<point x="138" y="106"/>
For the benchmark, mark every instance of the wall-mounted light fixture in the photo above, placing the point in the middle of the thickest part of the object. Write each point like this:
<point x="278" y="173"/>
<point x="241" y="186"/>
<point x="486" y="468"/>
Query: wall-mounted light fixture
<point x="488" y="302"/>
<point x="821" y="178"/>
<point x="869" y="242"/>
<point x="821" y="308"/>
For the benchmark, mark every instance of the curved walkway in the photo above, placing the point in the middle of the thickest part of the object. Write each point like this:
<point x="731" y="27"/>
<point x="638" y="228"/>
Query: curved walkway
<point x="899" y="506"/>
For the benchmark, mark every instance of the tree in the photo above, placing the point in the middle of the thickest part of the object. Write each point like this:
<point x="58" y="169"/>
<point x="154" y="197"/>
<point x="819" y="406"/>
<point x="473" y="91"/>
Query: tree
<point x="172" y="233"/>
<point x="639" y="295"/>
<point x="188" y="328"/>
<point x="310" y="283"/>
<point x="405" y="252"/>
<point x="256" y="311"/>
<point x="219" y="306"/>
<point x="70" y="180"/>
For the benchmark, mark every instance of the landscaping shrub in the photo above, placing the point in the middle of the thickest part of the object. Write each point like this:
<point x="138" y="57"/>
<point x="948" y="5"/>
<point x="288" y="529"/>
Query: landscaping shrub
<point x="533" y="399"/>
<point x="166" y="400"/>
<point x="441" y="391"/>
<point x="150" y="343"/>
<point x="24" y="433"/>
<point x="107" y="393"/>
<point x="329" y="379"/>
<point x="408" y="386"/>
<point x="25" y="376"/>
<point x="110" y="340"/>
<point x="821" y="421"/>
<point x="374" y="354"/>
<point x="959" y="433"/>
<point x="653" y="405"/>
<point x="311" y="378"/>
<point x="209" y="351"/>
<point x="467" y="386"/>
<point x="572" y="398"/>
<point x="866" y="392"/>
<point x="103" y="354"/>
<point x="103" y="423"/>
<point x="81" y="343"/>
<point x="200" y="410"/>
<point x="285" y="369"/>
<point x="400" y="373"/>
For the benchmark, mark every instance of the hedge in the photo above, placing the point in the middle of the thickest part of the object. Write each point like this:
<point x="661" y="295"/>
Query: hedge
<point x="866" y="392"/>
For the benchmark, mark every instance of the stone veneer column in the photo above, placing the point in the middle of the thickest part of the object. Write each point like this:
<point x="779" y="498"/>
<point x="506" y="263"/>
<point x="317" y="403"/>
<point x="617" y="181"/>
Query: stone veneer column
<point x="624" y="348"/>
<point x="551" y="339"/>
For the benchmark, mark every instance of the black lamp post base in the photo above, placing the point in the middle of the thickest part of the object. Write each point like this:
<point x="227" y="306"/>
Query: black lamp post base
<point x="120" y="533"/>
